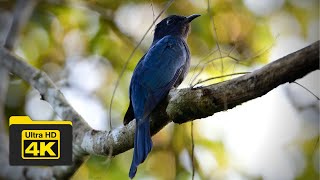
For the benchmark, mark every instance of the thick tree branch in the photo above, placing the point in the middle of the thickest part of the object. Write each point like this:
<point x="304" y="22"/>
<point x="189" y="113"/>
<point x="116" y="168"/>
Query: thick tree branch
<point x="181" y="105"/>
<point x="189" y="104"/>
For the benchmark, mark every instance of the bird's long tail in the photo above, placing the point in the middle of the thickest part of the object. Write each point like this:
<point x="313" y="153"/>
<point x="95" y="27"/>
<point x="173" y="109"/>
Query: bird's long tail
<point x="142" y="145"/>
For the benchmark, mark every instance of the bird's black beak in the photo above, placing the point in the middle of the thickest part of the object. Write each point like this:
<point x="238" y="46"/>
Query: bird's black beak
<point x="192" y="17"/>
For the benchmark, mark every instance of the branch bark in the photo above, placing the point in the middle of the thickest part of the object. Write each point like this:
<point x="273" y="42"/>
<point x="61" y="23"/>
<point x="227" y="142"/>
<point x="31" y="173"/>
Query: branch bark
<point x="181" y="105"/>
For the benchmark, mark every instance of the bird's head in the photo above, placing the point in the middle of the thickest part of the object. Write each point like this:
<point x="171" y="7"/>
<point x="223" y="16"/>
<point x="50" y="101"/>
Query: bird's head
<point x="174" y="25"/>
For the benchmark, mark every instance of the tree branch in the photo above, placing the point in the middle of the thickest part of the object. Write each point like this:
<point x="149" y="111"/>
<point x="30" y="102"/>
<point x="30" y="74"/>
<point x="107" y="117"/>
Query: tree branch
<point x="189" y="104"/>
<point x="181" y="105"/>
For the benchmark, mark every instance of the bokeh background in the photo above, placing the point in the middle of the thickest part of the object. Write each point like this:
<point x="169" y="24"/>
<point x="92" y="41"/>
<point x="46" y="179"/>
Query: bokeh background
<point x="83" y="46"/>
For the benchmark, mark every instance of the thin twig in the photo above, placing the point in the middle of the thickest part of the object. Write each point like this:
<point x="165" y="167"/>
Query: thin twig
<point x="227" y="56"/>
<point x="205" y="57"/>
<point x="153" y="15"/>
<point x="202" y="68"/>
<point x="194" y="77"/>
<point x="217" y="77"/>
<point x="192" y="151"/>
<point x="263" y="51"/>
<point x="215" y="35"/>
<point x="306" y="89"/>
<point x="130" y="57"/>
<point x="316" y="145"/>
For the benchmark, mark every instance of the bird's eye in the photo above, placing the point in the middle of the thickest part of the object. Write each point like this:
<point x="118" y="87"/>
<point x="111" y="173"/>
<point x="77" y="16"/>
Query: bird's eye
<point x="169" y="21"/>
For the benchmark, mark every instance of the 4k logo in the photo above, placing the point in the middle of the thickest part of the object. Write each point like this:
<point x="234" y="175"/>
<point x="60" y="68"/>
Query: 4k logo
<point x="39" y="143"/>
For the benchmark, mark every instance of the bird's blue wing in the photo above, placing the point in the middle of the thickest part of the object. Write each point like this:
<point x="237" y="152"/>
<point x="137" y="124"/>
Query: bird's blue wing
<point x="129" y="116"/>
<point x="157" y="73"/>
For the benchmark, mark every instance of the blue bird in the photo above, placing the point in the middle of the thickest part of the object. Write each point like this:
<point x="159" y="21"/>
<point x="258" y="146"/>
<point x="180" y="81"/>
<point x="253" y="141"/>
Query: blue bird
<point x="163" y="67"/>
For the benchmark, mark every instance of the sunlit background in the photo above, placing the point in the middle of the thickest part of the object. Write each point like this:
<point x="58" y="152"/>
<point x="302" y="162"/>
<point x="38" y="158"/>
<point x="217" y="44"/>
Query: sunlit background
<point x="83" y="46"/>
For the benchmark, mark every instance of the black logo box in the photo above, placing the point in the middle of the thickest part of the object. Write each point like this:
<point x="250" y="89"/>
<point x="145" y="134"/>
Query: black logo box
<point x="15" y="157"/>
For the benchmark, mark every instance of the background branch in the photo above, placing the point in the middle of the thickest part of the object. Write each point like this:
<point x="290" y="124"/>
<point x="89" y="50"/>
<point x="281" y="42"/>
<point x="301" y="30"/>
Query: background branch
<point x="21" y="14"/>
<point x="50" y="93"/>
